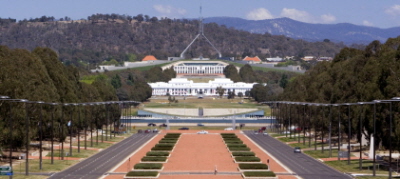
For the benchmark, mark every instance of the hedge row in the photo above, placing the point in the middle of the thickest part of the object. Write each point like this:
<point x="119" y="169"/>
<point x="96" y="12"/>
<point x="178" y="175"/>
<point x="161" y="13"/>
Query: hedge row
<point x="229" y="136"/>
<point x="256" y="166"/>
<point x="238" y="154"/>
<point x="140" y="173"/>
<point x="236" y="145"/>
<point x="239" y="149"/>
<point x="162" y="148"/>
<point x="165" y="145"/>
<point x="167" y="142"/>
<point x="148" y="166"/>
<point x="247" y="159"/>
<point x="232" y="139"/>
<point x="259" y="174"/>
<point x="233" y="142"/>
<point x="157" y="154"/>
<point x="158" y="159"/>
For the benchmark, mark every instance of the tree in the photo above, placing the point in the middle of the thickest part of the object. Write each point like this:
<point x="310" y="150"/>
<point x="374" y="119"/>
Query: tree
<point x="116" y="81"/>
<point x="231" y="72"/>
<point x="284" y="81"/>
<point x="247" y="74"/>
<point x="240" y="95"/>
<point x="220" y="91"/>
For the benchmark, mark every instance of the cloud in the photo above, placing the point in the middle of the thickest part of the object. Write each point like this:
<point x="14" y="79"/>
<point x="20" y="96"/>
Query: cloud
<point x="297" y="15"/>
<point x="367" y="23"/>
<point x="328" y="18"/>
<point x="259" y="14"/>
<point x="394" y="10"/>
<point x="169" y="11"/>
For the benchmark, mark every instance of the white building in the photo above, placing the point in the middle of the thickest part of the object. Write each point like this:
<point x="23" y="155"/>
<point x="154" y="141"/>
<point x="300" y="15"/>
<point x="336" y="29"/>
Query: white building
<point x="183" y="86"/>
<point x="198" y="67"/>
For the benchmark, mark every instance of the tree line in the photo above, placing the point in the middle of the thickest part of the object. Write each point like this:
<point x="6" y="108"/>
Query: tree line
<point x="353" y="76"/>
<point x="39" y="75"/>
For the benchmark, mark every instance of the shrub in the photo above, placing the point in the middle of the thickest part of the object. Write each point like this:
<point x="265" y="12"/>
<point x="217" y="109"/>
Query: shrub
<point x="237" y="145"/>
<point x="157" y="153"/>
<point x="153" y="159"/>
<point x="232" y="139"/>
<point x="233" y="142"/>
<point x="167" y="148"/>
<point x="239" y="149"/>
<point x="243" y="154"/>
<point x="229" y="136"/>
<point x="148" y="166"/>
<point x="168" y="141"/>
<point x="165" y="145"/>
<point x="247" y="159"/>
<point x="142" y="173"/>
<point x="259" y="174"/>
<point x="172" y="135"/>
<point x="255" y="166"/>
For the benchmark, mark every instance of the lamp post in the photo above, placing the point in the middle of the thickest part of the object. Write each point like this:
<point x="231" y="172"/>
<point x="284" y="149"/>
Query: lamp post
<point x="69" y="124"/>
<point x="339" y="131"/>
<point x="62" y="131"/>
<point x="52" y="132"/>
<point x="349" y="135"/>
<point x="40" y="134"/>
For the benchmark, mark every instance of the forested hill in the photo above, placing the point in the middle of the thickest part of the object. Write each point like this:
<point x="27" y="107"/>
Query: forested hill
<point x="105" y="37"/>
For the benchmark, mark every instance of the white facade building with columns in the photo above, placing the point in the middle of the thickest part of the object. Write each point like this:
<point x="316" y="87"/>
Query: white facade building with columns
<point x="183" y="86"/>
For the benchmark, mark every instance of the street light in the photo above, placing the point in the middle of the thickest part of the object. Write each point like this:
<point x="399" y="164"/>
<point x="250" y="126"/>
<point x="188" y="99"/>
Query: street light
<point x="52" y="132"/>
<point x="40" y="134"/>
<point x="349" y="135"/>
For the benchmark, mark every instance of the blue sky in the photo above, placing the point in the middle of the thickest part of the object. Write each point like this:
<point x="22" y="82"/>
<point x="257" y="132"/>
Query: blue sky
<point x="376" y="13"/>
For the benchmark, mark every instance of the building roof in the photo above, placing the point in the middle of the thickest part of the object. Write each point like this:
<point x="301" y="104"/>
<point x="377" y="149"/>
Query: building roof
<point x="254" y="59"/>
<point x="149" y="58"/>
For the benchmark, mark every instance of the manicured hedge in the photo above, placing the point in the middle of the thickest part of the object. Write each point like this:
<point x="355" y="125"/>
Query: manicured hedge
<point x="235" y="154"/>
<point x="259" y="174"/>
<point x="229" y="136"/>
<point x="172" y="135"/>
<point x="239" y="149"/>
<point x="167" y="148"/>
<point x="165" y="145"/>
<point x="250" y="166"/>
<point x="237" y="145"/>
<point x="168" y="141"/>
<point x="142" y="173"/>
<point x="232" y="139"/>
<point x="148" y="166"/>
<point x="233" y="142"/>
<point x="247" y="159"/>
<point x="157" y="153"/>
<point x="159" y="159"/>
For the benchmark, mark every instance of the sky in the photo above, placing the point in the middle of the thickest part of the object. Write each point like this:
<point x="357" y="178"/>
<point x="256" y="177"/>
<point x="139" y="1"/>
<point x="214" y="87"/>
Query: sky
<point x="375" y="13"/>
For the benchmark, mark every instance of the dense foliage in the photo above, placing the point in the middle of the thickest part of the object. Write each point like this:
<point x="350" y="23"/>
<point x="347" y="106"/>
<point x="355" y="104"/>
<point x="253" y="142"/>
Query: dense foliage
<point x="104" y="37"/>
<point x="353" y="76"/>
<point x="40" y="76"/>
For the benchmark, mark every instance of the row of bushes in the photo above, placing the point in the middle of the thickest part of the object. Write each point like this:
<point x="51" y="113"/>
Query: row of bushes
<point x="259" y="174"/>
<point x="247" y="159"/>
<point x="148" y="166"/>
<point x="253" y="166"/>
<point x="157" y="154"/>
<point x="142" y="173"/>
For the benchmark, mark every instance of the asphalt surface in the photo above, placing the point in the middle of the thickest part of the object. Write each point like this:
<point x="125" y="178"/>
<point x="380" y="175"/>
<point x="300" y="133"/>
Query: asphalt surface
<point x="301" y="164"/>
<point x="99" y="164"/>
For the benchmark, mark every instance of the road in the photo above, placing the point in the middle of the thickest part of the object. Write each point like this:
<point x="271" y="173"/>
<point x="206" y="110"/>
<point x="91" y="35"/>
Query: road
<point x="303" y="165"/>
<point x="97" y="165"/>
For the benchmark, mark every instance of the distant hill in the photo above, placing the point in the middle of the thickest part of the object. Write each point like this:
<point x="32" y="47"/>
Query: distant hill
<point x="114" y="38"/>
<point x="342" y="32"/>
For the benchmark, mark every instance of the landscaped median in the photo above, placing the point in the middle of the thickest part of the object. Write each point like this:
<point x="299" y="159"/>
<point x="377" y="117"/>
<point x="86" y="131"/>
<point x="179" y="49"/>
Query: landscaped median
<point x="250" y="165"/>
<point x="152" y="163"/>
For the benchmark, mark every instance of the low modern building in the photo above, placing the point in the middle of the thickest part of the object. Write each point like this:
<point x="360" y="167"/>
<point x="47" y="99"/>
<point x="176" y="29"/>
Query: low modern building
<point x="198" y="67"/>
<point x="183" y="87"/>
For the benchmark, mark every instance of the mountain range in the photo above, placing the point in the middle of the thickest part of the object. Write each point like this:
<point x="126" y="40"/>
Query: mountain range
<point x="342" y="32"/>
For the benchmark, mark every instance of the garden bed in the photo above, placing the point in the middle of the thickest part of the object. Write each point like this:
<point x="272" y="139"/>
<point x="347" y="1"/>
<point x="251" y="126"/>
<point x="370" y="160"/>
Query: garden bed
<point x="247" y="160"/>
<point x="259" y="175"/>
<point x="253" y="167"/>
<point x="148" y="167"/>
<point x="142" y="174"/>
<point x="243" y="154"/>
<point x="157" y="154"/>
<point x="154" y="159"/>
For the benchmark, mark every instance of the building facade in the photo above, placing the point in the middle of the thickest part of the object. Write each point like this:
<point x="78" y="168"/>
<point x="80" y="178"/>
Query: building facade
<point x="185" y="87"/>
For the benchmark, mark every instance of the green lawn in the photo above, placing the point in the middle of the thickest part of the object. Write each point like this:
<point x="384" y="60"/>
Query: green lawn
<point x="354" y="167"/>
<point x="82" y="154"/>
